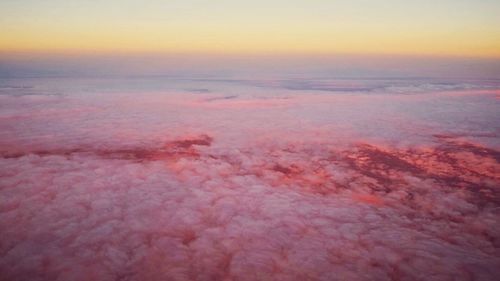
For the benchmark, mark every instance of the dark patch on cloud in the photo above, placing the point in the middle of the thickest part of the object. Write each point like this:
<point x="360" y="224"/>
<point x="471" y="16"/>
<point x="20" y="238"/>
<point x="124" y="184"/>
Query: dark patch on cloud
<point x="199" y="90"/>
<point x="178" y="148"/>
<point x="222" y="98"/>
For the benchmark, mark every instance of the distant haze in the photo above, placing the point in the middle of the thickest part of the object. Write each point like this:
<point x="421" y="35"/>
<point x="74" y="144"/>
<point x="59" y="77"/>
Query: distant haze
<point x="241" y="66"/>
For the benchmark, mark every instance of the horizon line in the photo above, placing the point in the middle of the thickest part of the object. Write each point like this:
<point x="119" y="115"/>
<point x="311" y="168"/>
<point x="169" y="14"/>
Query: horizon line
<point x="231" y="53"/>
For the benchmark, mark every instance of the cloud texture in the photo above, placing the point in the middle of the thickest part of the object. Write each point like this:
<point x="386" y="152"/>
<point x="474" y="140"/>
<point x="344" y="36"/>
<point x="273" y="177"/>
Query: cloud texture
<point x="248" y="182"/>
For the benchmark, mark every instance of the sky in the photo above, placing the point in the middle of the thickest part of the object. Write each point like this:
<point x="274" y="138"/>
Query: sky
<point x="463" y="28"/>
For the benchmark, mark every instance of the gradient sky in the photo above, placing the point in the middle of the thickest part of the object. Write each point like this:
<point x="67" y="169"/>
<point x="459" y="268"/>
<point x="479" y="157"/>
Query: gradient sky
<point x="424" y="27"/>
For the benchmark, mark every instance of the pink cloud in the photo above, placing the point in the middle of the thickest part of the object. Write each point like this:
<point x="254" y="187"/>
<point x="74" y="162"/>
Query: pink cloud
<point x="308" y="187"/>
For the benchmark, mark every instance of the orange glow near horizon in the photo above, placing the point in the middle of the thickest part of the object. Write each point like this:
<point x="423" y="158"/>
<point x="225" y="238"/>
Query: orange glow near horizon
<point x="233" y="43"/>
<point x="447" y="28"/>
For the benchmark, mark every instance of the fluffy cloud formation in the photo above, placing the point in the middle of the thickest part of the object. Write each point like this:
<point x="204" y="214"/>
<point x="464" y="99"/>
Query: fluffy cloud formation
<point x="237" y="184"/>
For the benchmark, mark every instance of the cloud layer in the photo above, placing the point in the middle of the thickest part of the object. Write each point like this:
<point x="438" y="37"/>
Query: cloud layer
<point x="246" y="183"/>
